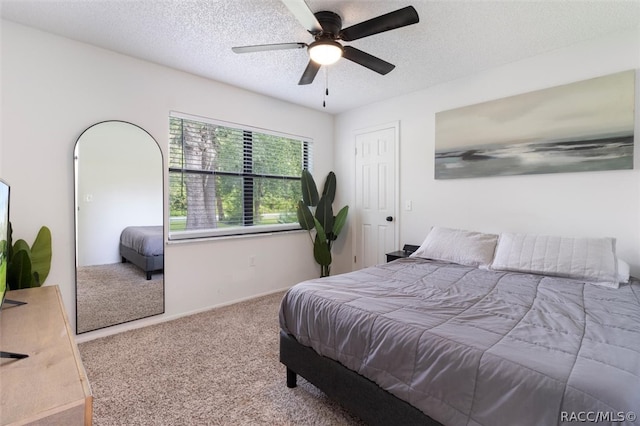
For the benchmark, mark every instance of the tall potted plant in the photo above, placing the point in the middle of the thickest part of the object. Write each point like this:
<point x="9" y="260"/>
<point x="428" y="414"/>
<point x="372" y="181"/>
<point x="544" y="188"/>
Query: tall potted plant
<point x="326" y="225"/>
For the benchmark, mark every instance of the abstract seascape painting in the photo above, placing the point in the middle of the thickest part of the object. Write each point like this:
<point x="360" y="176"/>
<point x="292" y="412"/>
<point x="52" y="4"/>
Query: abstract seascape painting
<point x="582" y="126"/>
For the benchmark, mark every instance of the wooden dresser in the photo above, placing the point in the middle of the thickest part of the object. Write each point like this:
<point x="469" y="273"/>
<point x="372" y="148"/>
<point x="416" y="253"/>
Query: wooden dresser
<point x="50" y="387"/>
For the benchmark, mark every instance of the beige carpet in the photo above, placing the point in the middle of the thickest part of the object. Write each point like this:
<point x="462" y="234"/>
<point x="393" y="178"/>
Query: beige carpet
<point x="215" y="368"/>
<point x="116" y="293"/>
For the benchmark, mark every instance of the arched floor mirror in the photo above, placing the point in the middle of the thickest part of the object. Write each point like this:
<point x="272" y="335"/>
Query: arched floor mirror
<point x="119" y="225"/>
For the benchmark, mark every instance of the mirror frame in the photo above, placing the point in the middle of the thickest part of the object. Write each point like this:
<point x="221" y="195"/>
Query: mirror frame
<point x="75" y="217"/>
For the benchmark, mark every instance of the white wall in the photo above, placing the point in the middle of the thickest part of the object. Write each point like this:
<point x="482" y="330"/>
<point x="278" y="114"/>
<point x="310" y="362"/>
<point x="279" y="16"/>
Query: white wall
<point x="54" y="88"/>
<point x="573" y="204"/>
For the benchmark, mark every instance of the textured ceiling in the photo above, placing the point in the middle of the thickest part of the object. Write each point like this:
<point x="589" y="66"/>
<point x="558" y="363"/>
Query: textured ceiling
<point x="452" y="39"/>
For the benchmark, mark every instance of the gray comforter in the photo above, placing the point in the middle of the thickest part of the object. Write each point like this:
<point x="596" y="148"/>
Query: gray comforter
<point x="474" y="347"/>
<point x="146" y="240"/>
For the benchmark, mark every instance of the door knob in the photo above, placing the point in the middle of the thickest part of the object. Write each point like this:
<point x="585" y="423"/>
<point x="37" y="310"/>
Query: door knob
<point x="389" y="218"/>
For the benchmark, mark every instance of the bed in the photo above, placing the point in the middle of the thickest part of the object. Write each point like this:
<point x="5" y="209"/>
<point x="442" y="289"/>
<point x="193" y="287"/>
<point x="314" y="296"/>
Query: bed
<point x="144" y="247"/>
<point x="504" y="335"/>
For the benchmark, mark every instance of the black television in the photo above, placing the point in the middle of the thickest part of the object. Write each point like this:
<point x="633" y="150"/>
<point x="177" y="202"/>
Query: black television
<point x="4" y="257"/>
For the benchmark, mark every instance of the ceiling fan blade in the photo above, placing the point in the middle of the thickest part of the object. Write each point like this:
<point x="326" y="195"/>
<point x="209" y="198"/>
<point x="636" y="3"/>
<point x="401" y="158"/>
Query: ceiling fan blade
<point x="266" y="47"/>
<point x="309" y="73"/>
<point x="304" y="15"/>
<point x="390" y="21"/>
<point x="366" y="60"/>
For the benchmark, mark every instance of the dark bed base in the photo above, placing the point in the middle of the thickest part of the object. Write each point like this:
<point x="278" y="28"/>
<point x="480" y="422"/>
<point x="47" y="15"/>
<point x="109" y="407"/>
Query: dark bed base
<point x="357" y="394"/>
<point x="148" y="264"/>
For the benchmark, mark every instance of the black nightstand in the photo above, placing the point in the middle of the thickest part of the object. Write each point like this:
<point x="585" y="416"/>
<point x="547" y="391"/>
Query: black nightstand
<point x="405" y="252"/>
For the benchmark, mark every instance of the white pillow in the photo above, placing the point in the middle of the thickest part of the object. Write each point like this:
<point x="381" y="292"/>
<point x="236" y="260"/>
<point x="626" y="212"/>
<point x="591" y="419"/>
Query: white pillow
<point x="624" y="271"/>
<point x="588" y="259"/>
<point x="458" y="246"/>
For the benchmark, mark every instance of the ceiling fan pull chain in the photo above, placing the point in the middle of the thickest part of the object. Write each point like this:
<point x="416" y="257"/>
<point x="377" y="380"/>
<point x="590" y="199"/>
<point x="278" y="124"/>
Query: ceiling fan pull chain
<point x="326" y="87"/>
<point x="326" y="81"/>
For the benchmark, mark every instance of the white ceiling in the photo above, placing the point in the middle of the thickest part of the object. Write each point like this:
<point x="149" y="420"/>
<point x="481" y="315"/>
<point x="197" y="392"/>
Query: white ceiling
<point x="452" y="39"/>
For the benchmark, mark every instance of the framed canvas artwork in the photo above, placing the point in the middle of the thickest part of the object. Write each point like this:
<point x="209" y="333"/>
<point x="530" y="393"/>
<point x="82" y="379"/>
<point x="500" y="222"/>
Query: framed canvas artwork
<point x="582" y="126"/>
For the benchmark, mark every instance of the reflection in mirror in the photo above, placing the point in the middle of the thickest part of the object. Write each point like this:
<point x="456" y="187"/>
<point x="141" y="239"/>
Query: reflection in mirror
<point x="119" y="226"/>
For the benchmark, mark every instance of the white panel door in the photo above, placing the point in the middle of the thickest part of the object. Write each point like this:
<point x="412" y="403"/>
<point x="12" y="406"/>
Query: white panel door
<point x="376" y="224"/>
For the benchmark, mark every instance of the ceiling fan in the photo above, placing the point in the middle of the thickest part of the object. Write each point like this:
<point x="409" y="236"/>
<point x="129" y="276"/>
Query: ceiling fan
<point x="326" y="28"/>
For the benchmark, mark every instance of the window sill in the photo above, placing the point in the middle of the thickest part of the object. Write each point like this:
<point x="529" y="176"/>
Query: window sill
<point x="200" y="239"/>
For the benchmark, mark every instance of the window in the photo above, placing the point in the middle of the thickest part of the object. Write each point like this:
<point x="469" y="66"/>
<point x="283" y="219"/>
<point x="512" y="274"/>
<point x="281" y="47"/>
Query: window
<point x="226" y="180"/>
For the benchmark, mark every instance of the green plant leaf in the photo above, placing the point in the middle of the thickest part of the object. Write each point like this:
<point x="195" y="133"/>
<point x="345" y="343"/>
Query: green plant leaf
<point x="320" y="234"/>
<point x="329" y="190"/>
<point x="309" y="189"/>
<point x="21" y="245"/>
<point x="321" y="251"/>
<point x="340" y="220"/>
<point x="41" y="256"/>
<point x="324" y="214"/>
<point x="305" y="217"/>
<point x="19" y="271"/>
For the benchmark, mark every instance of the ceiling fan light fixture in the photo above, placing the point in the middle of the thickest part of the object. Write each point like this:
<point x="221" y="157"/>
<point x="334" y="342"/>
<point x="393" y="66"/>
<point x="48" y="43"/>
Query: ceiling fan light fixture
<point x="325" y="52"/>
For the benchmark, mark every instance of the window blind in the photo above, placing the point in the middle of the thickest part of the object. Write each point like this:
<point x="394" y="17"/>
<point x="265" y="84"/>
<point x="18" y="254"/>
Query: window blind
<point x="229" y="179"/>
